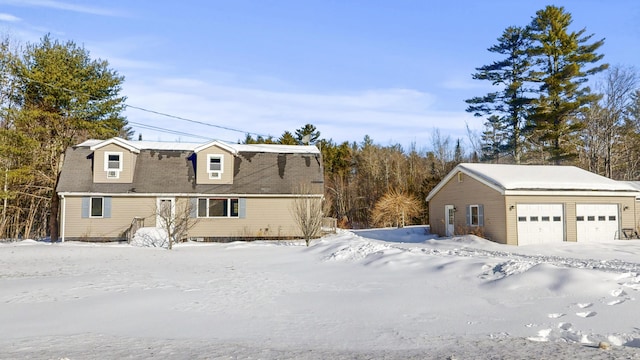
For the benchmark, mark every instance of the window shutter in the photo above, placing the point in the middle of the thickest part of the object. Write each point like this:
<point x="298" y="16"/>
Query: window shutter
<point x="480" y="215"/>
<point x="242" y="208"/>
<point x="85" y="207"/>
<point x="468" y="209"/>
<point x="107" y="207"/>
<point x="193" y="211"/>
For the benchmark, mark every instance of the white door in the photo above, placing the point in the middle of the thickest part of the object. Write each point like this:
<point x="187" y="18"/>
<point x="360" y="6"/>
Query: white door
<point x="597" y="222"/>
<point x="449" y="215"/>
<point x="540" y="223"/>
<point x="165" y="212"/>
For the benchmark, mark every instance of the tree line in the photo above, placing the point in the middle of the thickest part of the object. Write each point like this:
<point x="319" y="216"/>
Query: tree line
<point x="548" y="108"/>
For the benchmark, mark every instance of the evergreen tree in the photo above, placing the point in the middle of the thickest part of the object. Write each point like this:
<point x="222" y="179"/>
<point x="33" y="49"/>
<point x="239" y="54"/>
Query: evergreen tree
<point x="560" y="57"/>
<point x="510" y="104"/>
<point x="63" y="97"/>
<point x="287" y="139"/>
<point x="494" y="139"/>
<point x="307" y="134"/>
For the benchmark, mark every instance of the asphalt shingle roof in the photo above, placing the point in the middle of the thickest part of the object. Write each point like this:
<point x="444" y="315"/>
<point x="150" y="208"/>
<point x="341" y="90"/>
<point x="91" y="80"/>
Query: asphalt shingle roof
<point x="172" y="172"/>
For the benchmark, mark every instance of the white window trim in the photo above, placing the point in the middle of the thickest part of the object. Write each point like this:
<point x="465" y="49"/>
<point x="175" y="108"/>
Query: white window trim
<point x="106" y="162"/>
<point x="91" y="207"/>
<point x="228" y="200"/>
<point x="471" y="207"/>
<point x="215" y="174"/>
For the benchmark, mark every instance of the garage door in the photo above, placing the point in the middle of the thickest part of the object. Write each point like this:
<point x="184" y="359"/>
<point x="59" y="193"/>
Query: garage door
<point x="540" y="223"/>
<point x="597" y="222"/>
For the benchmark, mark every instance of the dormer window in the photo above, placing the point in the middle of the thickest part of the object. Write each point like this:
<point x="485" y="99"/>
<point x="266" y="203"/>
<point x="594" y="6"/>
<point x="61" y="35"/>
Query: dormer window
<point x="215" y="166"/>
<point x="113" y="164"/>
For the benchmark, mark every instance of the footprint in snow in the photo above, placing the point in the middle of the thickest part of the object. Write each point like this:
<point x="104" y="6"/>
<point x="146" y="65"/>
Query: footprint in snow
<point x="584" y="305"/>
<point x="555" y="315"/>
<point x="615" y="302"/>
<point x="565" y="326"/>
<point x="618" y="292"/>
<point x="587" y="314"/>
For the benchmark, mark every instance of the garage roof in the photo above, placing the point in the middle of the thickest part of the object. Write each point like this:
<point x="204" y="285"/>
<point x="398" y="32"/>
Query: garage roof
<point x="536" y="178"/>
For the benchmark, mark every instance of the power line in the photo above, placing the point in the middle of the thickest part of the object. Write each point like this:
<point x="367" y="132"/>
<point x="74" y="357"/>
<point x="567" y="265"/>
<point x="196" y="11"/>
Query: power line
<point x="168" y="131"/>
<point x="194" y="121"/>
<point x="155" y="128"/>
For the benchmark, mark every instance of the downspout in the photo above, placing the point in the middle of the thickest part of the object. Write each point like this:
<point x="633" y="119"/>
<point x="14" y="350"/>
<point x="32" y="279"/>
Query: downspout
<point x="63" y="210"/>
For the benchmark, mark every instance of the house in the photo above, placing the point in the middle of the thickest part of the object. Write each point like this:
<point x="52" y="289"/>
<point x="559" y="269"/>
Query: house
<point x="235" y="191"/>
<point x="531" y="204"/>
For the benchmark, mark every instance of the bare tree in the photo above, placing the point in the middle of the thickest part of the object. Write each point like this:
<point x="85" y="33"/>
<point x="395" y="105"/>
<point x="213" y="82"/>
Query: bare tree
<point x="307" y="213"/>
<point x="395" y="208"/>
<point x="175" y="219"/>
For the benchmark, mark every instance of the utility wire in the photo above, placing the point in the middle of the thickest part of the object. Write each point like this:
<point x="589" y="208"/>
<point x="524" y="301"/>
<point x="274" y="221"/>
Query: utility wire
<point x="151" y="127"/>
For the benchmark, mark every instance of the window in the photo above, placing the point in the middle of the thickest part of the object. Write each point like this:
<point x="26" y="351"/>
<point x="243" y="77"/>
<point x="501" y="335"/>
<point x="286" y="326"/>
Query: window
<point x="218" y="208"/>
<point x="556" y="218"/>
<point x="97" y="209"/>
<point x="612" y="218"/>
<point x="579" y="218"/>
<point x="460" y="177"/>
<point x="475" y="215"/>
<point x="591" y="218"/>
<point x="533" y="218"/>
<point x="215" y="166"/>
<point x="522" y="218"/>
<point x="113" y="164"/>
<point x="602" y="218"/>
<point x="545" y="218"/>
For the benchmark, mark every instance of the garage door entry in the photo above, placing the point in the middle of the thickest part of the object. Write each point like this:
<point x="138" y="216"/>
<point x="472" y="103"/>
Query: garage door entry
<point x="540" y="223"/>
<point x="597" y="222"/>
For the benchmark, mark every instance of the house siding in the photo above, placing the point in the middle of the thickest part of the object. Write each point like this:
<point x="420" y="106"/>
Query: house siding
<point x="265" y="218"/>
<point x="461" y="194"/>
<point x="123" y="210"/>
<point x="202" y="176"/>
<point x="627" y="217"/>
<point x="128" y="165"/>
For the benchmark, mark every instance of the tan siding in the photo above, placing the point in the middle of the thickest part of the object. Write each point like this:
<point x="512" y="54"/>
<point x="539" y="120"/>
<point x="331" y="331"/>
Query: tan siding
<point x="128" y="165"/>
<point x="462" y="194"/>
<point x="265" y="217"/>
<point x="202" y="176"/>
<point x="123" y="210"/>
<point x="627" y="217"/>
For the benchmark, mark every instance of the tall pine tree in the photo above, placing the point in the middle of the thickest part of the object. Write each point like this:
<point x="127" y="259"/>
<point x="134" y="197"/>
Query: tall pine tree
<point x="510" y="104"/>
<point x="561" y="58"/>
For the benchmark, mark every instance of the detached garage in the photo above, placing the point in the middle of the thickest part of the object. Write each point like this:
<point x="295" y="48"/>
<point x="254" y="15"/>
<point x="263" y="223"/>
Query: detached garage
<point x="531" y="204"/>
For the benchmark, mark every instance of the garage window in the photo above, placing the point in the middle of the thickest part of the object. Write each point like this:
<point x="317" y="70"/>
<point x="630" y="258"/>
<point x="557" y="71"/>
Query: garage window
<point x="475" y="215"/>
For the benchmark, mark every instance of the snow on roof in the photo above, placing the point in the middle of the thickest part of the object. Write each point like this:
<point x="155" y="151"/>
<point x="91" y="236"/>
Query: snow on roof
<point x="542" y="177"/>
<point x="187" y="146"/>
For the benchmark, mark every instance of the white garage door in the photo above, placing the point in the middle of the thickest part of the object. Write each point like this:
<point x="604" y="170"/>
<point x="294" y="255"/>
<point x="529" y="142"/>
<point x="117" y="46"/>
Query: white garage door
<point x="597" y="222"/>
<point x="540" y="223"/>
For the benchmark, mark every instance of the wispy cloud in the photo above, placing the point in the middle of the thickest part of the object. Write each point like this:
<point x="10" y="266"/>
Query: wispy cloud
<point x="388" y="116"/>
<point x="61" y="5"/>
<point x="9" y="18"/>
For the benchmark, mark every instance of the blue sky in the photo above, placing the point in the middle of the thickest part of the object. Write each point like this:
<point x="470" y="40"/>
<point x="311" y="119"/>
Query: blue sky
<point x="393" y="70"/>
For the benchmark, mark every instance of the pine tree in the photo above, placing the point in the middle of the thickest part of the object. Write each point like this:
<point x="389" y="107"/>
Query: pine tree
<point x="63" y="97"/>
<point x="560" y="57"/>
<point x="511" y="103"/>
<point x="287" y="139"/>
<point x="494" y="139"/>
<point x="307" y="134"/>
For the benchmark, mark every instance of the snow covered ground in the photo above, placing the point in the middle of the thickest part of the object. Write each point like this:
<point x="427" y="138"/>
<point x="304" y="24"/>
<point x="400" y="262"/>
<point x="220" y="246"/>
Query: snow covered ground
<point x="371" y="294"/>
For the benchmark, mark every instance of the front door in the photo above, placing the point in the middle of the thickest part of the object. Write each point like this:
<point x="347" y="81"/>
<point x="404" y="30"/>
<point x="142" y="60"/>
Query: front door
<point x="449" y="215"/>
<point x="165" y="212"/>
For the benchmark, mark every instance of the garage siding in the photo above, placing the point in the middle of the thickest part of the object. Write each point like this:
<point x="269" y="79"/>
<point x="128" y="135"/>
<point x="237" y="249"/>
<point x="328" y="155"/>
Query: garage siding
<point x="626" y="217"/>
<point x="462" y="192"/>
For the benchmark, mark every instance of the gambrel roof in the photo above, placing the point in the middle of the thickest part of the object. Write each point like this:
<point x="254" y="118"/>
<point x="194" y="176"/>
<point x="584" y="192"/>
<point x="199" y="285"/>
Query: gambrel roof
<point x="169" y="168"/>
